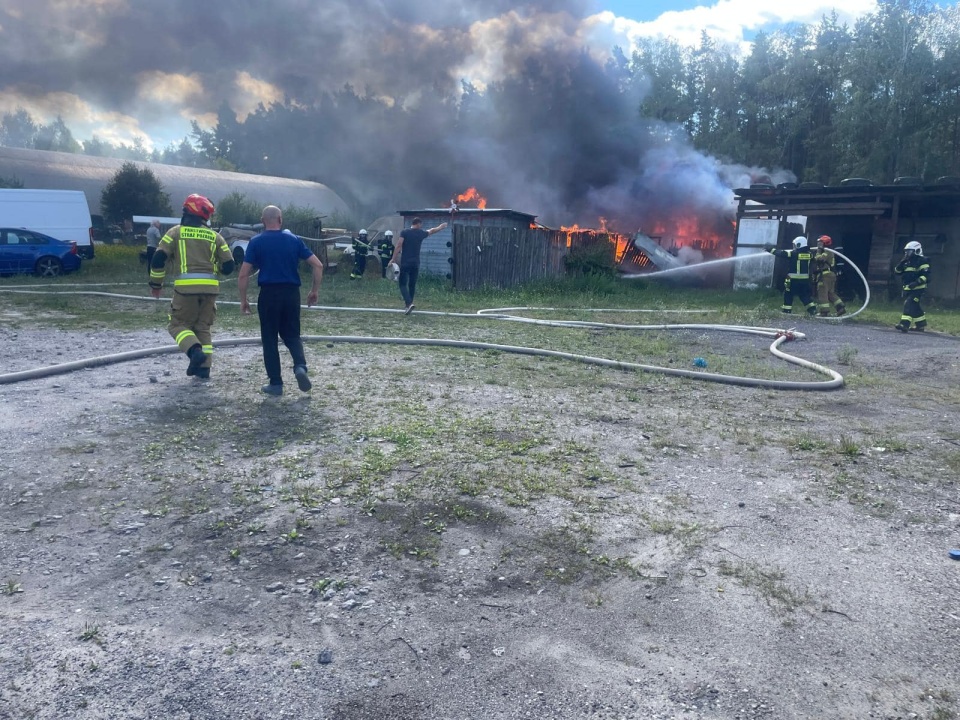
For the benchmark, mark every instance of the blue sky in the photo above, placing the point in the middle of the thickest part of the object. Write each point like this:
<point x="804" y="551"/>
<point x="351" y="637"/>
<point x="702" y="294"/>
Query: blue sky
<point x="647" y="9"/>
<point x="729" y="21"/>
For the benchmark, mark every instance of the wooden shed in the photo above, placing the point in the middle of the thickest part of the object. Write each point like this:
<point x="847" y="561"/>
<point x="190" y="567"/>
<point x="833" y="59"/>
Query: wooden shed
<point x="436" y="254"/>
<point x="868" y="223"/>
<point x="497" y="247"/>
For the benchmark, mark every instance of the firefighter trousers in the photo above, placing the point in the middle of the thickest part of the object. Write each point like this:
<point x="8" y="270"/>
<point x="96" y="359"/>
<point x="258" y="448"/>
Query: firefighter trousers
<point x="912" y="311"/>
<point x="384" y="264"/>
<point x="191" y="318"/>
<point x="827" y="295"/>
<point x="801" y="288"/>
<point x="359" y="265"/>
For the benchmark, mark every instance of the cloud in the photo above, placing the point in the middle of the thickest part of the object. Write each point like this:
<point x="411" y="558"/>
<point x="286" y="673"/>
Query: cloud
<point x="83" y="119"/>
<point x="251" y="92"/>
<point x="164" y="87"/>
<point x="730" y="21"/>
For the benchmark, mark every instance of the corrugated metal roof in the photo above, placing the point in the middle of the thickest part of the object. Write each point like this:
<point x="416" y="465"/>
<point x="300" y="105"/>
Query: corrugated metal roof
<point x="68" y="171"/>
<point x="503" y="212"/>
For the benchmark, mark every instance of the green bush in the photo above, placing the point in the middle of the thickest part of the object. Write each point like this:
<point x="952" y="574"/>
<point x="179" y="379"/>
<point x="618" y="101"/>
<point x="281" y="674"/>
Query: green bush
<point x="134" y="191"/>
<point x="593" y="259"/>
<point x="236" y="209"/>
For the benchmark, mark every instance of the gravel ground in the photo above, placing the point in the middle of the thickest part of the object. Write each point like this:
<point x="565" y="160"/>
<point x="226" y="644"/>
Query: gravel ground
<point x="739" y="553"/>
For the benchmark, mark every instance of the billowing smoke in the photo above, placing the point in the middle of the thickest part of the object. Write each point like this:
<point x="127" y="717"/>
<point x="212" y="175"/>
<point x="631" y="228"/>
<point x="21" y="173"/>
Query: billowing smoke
<point x="515" y="98"/>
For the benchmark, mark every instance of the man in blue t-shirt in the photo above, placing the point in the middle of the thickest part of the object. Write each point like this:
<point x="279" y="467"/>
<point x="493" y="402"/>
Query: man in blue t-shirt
<point x="408" y="250"/>
<point x="277" y="254"/>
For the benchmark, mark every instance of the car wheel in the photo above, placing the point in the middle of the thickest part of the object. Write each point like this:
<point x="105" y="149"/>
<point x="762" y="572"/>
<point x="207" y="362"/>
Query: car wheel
<point x="49" y="267"/>
<point x="238" y="256"/>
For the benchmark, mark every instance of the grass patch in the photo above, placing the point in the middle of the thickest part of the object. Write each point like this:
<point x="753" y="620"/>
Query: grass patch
<point x="769" y="584"/>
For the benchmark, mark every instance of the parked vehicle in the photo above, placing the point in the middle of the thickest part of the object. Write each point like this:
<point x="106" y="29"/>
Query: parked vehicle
<point x="238" y="237"/>
<point x="61" y="214"/>
<point x="25" y="251"/>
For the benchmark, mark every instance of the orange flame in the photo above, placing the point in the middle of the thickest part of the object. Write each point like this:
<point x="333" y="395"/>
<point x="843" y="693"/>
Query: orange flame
<point x="712" y="236"/>
<point x="470" y="195"/>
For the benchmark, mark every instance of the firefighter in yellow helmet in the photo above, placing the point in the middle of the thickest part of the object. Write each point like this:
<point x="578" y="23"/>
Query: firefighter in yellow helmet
<point x="824" y="269"/>
<point x="195" y="254"/>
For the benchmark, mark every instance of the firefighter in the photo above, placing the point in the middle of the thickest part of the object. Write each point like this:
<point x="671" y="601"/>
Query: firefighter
<point x="914" y="272"/>
<point x="196" y="253"/>
<point x="798" y="277"/>
<point x="385" y="251"/>
<point x="824" y="275"/>
<point x="360" y="249"/>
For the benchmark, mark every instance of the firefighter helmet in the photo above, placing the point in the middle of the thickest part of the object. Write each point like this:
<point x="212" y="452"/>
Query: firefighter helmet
<point x="826" y="240"/>
<point x="799" y="242"/>
<point x="362" y="232"/>
<point x="913" y="247"/>
<point x="388" y="233"/>
<point x="198" y="205"/>
<point x="393" y="272"/>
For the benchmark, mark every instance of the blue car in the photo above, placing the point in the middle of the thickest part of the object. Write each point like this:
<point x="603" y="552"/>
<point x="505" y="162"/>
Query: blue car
<point x="26" y="251"/>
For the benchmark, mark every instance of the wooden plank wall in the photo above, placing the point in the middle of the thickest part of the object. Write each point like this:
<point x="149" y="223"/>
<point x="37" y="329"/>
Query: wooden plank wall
<point x="506" y="257"/>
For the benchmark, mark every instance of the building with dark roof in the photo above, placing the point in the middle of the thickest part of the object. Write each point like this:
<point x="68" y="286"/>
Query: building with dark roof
<point x="868" y="223"/>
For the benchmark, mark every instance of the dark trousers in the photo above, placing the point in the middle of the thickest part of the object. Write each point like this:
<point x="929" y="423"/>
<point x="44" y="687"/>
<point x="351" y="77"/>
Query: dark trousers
<point x="384" y="264"/>
<point x="279" y="309"/>
<point x="801" y="288"/>
<point x="151" y="251"/>
<point x="408" y="283"/>
<point x="359" y="265"/>
<point x="912" y="311"/>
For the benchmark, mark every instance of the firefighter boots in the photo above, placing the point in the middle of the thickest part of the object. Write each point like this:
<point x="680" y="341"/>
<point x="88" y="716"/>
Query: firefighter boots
<point x="197" y="358"/>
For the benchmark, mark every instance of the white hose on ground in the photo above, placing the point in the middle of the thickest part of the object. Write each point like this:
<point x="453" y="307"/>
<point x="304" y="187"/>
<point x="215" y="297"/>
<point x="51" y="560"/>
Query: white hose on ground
<point x="780" y="336"/>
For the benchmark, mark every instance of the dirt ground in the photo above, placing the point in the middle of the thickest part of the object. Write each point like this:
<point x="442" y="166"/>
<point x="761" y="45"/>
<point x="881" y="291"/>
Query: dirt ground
<point x="177" y="549"/>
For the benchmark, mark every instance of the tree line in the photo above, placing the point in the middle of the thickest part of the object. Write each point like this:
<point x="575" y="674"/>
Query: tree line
<point x="826" y="101"/>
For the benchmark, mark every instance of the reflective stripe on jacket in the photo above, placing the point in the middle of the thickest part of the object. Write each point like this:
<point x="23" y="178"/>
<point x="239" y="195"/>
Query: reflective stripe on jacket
<point x="800" y="262"/>
<point x="197" y="253"/>
<point x="915" y="271"/>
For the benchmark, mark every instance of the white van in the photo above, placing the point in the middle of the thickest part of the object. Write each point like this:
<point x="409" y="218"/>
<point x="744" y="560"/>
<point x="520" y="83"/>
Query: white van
<point x="61" y="214"/>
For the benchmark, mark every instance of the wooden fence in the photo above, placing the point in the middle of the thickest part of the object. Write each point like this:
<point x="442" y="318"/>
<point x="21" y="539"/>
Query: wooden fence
<point x="507" y="257"/>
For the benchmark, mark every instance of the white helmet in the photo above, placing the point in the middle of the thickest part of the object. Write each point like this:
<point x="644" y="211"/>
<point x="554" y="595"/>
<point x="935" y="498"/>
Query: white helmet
<point x="799" y="242"/>
<point x="913" y="247"/>
<point x="393" y="271"/>
<point x="363" y="232"/>
<point x="388" y="233"/>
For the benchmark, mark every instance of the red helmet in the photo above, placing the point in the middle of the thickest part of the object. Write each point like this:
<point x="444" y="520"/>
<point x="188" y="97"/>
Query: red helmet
<point x="825" y="239"/>
<point x="198" y="205"/>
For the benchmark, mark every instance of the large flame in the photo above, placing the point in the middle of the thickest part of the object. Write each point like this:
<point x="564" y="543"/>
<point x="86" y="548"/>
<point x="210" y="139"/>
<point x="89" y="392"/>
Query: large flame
<point x="713" y="237"/>
<point x="471" y="195"/>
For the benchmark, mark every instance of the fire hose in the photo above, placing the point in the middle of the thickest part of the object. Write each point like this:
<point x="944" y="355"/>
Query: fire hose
<point x="779" y="338"/>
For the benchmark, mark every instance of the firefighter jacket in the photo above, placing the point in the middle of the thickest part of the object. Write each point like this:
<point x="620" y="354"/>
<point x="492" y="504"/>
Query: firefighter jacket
<point x="914" y="272"/>
<point x="823" y="263"/>
<point x="385" y="248"/>
<point x="360" y="246"/>
<point x="195" y="254"/>
<point x="799" y="262"/>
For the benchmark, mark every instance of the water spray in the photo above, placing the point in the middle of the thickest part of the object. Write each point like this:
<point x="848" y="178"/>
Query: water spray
<point x="761" y="255"/>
